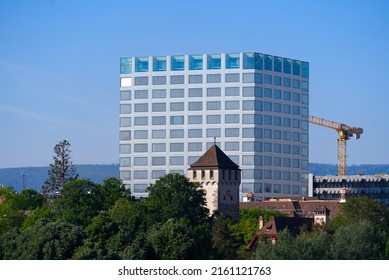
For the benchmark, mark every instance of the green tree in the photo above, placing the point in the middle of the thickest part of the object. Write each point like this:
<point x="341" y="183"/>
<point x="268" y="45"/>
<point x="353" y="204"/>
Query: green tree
<point x="362" y="240"/>
<point x="78" y="204"/>
<point x="288" y="247"/>
<point x="173" y="196"/>
<point x="173" y="240"/>
<point x="362" y="208"/>
<point x="40" y="212"/>
<point x="47" y="240"/>
<point x="139" y="249"/>
<point x="8" y="244"/>
<point x="110" y="191"/>
<point x="96" y="246"/>
<point x="61" y="170"/>
<point x="248" y="224"/>
<point x="28" y="199"/>
<point x="224" y="244"/>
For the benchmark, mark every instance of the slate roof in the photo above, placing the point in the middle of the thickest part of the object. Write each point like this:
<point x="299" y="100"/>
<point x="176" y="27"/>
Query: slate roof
<point x="216" y="158"/>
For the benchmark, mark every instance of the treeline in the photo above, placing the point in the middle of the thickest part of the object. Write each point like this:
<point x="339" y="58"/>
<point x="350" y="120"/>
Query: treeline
<point x="103" y="221"/>
<point x="92" y="221"/>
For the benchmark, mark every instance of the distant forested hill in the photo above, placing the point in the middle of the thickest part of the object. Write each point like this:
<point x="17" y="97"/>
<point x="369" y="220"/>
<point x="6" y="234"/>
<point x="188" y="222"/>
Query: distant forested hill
<point x="321" y="169"/>
<point x="35" y="176"/>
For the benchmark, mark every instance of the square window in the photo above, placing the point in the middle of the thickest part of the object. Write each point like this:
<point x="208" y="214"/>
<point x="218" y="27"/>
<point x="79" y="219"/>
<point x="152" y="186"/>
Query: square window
<point x="232" y="78"/>
<point x="232" y="91"/>
<point x="177" y="62"/>
<point x="158" y="134"/>
<point x="195" y="106"/>
<point x="156" y="161"/>
<point x="159" y="63"/>
<point x="214" y="61"/>
<point x="125" y="65"/>
<point x="213" y="119"/>
<point x="232" y="146"/>
<point x="140" y="148"/>
<point x="195" y="92"/>
<point x="196" y="62"/>
<point x="159" y="147"/>
<point x="232" y="105"/>
<point x="177" y="160"/>
<point x="159" y="80"/>
<point x="195" y="79"/>
<point x="177" y="93"/>
<point x="141" y="81"/>
<point x="195" y="119"/>
<point x="140" y="161"/>
<point x="125" y="109"/>
<point x="213" y="132"/>
<point x="176" y="147"/>
<point x="158" y="120"/>
<point x="140" y="174"/>
<point x="159" y="107"/>
<point x="176" y="133"/>
<point x="232" y="60"/>
<point x="139" y="121"/>
<point x="141" y="64"/>
<point x="125" y="135"/>
<point x="177" y="106"/>
<point x="125" y="95"/>
<point x="125" y="82"/>
<point x="195" y="133"/>
<point x="211" y="92"/>
<point x="213" y="105"/>
<point x="195" y="147"/>
<point x="232" y="118"/>
<point x="159" y="93"/>
<point x="232" y="132"/>
<point x="178" y="79"/>
<point x="214" y="78"/>
<point x="177" y="120"/>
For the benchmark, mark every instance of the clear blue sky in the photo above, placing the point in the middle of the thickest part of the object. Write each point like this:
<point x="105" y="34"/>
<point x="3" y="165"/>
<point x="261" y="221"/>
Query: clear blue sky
<point x="59" y="66"/>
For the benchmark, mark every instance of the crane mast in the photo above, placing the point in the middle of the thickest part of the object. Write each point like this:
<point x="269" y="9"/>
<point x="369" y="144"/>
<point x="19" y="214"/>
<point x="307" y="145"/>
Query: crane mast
<point x="345" y="132"/>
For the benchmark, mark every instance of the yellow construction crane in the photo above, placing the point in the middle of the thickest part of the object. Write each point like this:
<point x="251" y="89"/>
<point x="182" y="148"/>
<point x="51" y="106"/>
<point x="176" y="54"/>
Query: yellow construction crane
<point x="345" y="132"/>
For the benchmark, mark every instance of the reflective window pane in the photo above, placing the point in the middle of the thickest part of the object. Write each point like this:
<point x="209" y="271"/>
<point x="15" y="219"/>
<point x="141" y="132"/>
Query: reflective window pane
<point x="142" y="64"/>
<point x="195" y="62"/>
<point x="177" y="62"/>
<point x="232" y="60"/>
<point x="159" y="63"/>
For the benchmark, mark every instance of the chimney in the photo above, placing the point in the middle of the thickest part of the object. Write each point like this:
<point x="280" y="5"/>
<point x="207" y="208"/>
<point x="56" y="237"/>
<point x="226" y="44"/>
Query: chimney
<point x="343" y="192"/>
<point x="260" y="220"/>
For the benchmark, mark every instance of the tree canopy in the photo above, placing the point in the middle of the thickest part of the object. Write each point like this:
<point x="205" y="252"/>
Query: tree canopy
<point x="61" y="170"/>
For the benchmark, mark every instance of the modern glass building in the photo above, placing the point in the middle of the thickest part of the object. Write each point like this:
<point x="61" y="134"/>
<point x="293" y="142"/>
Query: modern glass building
<point x="255" y="106"/>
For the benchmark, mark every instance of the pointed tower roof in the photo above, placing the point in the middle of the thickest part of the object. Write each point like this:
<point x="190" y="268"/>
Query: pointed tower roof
<point x="216" y="158"/>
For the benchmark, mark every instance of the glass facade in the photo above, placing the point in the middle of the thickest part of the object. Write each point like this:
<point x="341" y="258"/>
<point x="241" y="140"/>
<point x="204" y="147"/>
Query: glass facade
<point x="256" y="105"/>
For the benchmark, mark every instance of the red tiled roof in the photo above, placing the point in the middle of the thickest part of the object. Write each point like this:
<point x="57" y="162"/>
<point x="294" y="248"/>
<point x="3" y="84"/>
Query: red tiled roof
<point x="214" y="157"/>
<point x="288" y="206"/>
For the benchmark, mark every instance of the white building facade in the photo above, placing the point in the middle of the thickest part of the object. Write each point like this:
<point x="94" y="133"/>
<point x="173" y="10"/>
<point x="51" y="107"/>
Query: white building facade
<point x="256" y="106"/>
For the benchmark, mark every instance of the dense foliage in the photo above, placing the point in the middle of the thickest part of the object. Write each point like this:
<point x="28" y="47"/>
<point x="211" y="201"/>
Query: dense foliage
<point x="103" y="221"/>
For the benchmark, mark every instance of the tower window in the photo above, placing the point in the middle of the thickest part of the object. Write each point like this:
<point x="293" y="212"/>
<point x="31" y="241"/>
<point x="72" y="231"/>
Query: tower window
<point x="202" y="174"/>
<point x="211" y="174"/>
<point x="194" y="174"/>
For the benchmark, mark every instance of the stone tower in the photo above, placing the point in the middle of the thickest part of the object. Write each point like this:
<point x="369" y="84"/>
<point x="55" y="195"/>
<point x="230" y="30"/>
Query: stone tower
<point x="220" y="179"/>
